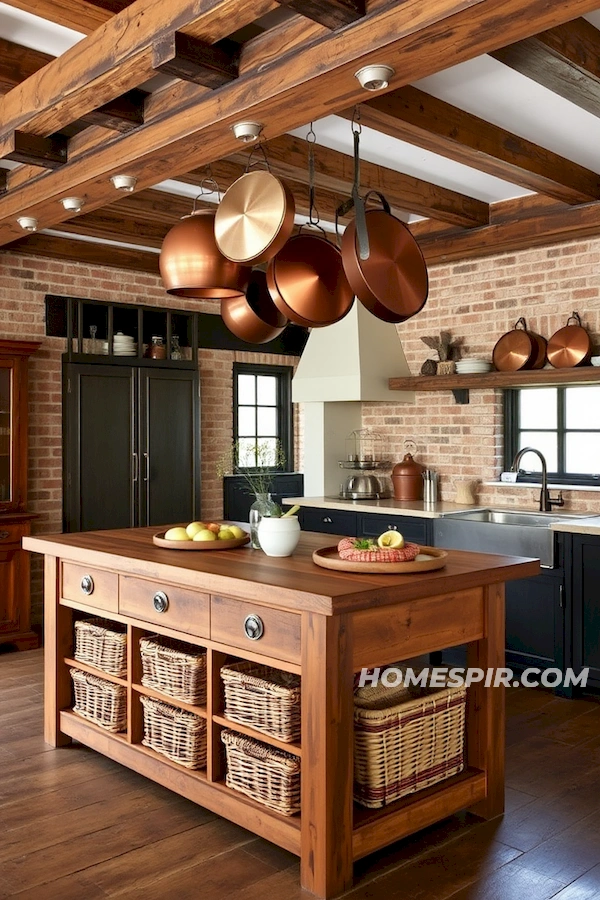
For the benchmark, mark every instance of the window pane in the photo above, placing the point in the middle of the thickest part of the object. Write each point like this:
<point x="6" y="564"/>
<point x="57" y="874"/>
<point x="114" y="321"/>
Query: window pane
<point x="583" y="453"/>
<point x="246" y="389"/>
<point x="546" y="443"/>
<point x="246" y="421"/>
<point x="268" y="455"/>
<point x="266" y="390"/>
<point x="582" y="410"/>
<point x="538" y="408"/>
<point x="267" y="421"/>
<point x="247" y="452"/>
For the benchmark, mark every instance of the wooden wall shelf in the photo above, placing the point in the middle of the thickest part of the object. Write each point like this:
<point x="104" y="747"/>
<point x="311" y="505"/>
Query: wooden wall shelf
<point x="460" y="384"/>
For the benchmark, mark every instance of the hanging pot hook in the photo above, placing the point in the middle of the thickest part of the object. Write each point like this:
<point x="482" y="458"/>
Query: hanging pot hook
<point x="260" y="147"/>
<point x="208" y="185"/>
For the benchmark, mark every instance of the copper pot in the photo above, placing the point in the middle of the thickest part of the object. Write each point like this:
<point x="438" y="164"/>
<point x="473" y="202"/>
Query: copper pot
<point x="191" y="264"/>
<point x="255" y="218"/>
<point x="307" y="282"/>
<point x="519" y="349"/>
<point x="391" y="282"/>
<point x="254" y="317"/>
<point x="570" y="346"/>
<point x="407" y="479"/>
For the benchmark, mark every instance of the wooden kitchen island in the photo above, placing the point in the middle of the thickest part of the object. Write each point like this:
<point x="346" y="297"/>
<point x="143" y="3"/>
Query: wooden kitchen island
<point x="321" y="624"/>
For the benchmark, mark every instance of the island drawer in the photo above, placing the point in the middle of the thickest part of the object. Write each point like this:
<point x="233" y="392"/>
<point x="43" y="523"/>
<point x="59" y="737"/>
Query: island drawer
<point x="94" y="587"/>
<point x="412" y="528"/>
<point x="175" y="607"/>
<point x="272" y="632"/>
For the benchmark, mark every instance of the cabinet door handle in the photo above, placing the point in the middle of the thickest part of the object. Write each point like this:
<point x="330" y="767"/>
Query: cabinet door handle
<point x="136" y="467"/>
<point x="147" y="461"/>
<point x="160" y="601"/>
<point x="327" y="519"/>
<point x="4" y="535"/>
<point x="392" y="528"/>
<point x="561" y="596"/>
<point x="87" y="584"/>
<point x="254" y="627"/>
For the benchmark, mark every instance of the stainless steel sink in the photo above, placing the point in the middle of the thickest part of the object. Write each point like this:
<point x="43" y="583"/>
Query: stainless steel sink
<point x="510" y="532"/>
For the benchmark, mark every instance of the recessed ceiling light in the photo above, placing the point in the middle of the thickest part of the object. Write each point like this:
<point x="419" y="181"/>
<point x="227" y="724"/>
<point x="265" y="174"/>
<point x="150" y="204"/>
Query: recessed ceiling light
<point x="247" y="131"/>
<point x="124" y="182"/>
<point x="73" y="203"/>
<point x="374" y="77"/>
<point x="28" y="223"/>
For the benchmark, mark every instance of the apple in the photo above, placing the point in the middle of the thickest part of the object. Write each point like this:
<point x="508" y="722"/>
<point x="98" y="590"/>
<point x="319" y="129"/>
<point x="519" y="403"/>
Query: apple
<point x="205" y="535"/>
<point x="236" y="531"/>
<point x="214" y="526"/>
<point x="194" y="527"/>
<point x="177" y="534"/>
<point x="226" y="534"/>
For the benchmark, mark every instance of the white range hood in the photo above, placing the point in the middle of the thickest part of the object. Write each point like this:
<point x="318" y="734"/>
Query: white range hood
<point x="351" y="360"/>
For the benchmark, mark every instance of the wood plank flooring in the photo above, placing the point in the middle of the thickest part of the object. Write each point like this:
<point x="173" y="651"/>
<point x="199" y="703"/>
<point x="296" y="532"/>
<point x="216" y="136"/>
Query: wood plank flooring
<point x="76" y="826"/>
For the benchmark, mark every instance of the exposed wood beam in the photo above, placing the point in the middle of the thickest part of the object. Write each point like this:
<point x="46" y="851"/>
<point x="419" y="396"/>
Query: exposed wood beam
<point x="33" y="150"/>
<point x="411" y="115"/>
<point x="117" y="57"/>
<point x="17" y="63"/>
<point x="76" y="14"/>
<point x="111" y="225"/>
<point x="47" y="245"/>
<point x="315" y="81"/>
<point x="181" y="56"/>
<point x="335" y="171"/>
<point x="330" y="13"/>
<point x="121" y="114"/>
<point x="565" y="59"/>
<point x="3" y="181"/>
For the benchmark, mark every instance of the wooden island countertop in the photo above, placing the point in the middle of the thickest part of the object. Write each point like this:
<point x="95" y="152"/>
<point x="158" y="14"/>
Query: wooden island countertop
<point x="324" y="625"/>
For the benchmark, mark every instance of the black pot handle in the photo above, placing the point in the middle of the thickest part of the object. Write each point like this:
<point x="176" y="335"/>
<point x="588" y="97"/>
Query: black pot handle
<point x="386" y="206"/>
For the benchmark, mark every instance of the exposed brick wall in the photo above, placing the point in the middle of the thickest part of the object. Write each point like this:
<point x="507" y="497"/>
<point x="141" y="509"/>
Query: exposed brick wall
<point x="23" y="283"/>
<point x="479" y="300"/>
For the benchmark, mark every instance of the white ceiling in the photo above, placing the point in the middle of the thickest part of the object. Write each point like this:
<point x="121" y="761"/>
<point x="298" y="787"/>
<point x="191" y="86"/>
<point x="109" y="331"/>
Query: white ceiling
<point x="482" y="87"/>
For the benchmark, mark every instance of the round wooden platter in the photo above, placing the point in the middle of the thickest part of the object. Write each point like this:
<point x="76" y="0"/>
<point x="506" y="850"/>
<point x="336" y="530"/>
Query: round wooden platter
<point x="328" y="558"/>
<point x="159" y="540"/>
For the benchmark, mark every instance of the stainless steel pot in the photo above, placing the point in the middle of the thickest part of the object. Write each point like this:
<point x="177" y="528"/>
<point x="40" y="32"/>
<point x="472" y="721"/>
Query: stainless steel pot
<point x="364" y="487"/>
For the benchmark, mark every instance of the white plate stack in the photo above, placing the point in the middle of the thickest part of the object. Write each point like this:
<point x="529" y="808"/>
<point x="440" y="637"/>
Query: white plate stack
<point x="123" y="345"/>
<point x="473" y="366"/>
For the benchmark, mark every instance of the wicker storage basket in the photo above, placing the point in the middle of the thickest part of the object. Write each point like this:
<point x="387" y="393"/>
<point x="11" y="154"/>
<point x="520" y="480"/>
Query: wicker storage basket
<point x="103" y="644"/>
<point x="268" y="775"/>
<point x="174" y="668"/>
<point x="175" y="733"/>
<point x="100" y="701"/>
<point x="263" y="698"/>
<point x="406" y="740"/>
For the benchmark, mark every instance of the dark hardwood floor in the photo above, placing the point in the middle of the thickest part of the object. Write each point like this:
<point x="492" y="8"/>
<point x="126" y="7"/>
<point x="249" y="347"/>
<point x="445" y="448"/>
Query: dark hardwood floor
<point x="76" y="826"/>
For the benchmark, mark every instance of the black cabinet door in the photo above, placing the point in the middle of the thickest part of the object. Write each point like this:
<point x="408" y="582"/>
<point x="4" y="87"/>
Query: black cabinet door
<point x="535" y="621"/>
<point x="168" y="404"/>
<point x="99" y="446"/>
<point x="328" y="521"/>
<point x="412" y="528"/>
<point x="237" y="497"/>
<point x="586" y="605"/>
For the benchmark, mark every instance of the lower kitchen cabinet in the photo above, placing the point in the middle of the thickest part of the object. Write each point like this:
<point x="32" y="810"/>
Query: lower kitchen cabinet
<point x="586" y="606"/>
<point x="237" y="497"/>
<point x="536" y="620"/>
<point x="413" y="528"/>
<point x="328" y="521"/>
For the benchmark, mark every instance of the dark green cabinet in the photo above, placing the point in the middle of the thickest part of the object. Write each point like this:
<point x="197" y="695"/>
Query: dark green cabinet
<point x="130" y="446"/>
<point x="586" y="606"/>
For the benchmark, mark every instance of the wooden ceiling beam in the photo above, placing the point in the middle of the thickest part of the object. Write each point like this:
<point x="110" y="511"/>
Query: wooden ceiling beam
<point x="564" y="59"/>
<point x="17" y="63"/>
<point x="421" y="119"/>
<point x="330" y="13"/>
<point x="315" y="81"/>
<point x="211" y="65"/>
<point x="116" y="58"/>
<point x="53" y="247"/>
<point x="121" y="114"/>
<point x="33" y="150"/>
<point x="3" y="181"/>
<point x="335" y="171"/>
<point x="108" y="224"/>
<point x="76" y="14"/>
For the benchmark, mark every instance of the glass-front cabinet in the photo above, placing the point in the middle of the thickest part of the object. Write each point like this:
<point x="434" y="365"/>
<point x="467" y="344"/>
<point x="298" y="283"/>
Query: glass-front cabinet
<point x="6" y="431"/>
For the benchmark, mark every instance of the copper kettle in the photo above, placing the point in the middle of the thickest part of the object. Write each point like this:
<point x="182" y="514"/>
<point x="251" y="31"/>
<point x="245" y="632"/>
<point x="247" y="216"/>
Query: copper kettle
<point x="407" y="479"/>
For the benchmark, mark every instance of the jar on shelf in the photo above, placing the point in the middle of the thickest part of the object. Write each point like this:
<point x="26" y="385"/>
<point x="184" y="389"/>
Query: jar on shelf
<point x="175" y="347"/>
<point x="157" y="349"/>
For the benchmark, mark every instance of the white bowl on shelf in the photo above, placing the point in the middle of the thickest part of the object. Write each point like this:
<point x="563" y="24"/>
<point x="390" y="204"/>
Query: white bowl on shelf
<point x="595" y="360"/>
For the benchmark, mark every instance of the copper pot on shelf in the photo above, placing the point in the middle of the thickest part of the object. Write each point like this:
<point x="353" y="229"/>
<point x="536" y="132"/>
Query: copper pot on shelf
<point x="570" y="346"/>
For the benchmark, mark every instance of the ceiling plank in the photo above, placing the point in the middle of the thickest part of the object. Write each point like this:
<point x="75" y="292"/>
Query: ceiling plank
<point x="113" y="226"/>
<point x="76" y="14"/>
<point x="565" y="59"/>
<point x="53" y="247"/>
<point x="114" y="59"/>
<point x="421" y="119"/>
<point x="181" y="56"/>
<point x="315" y="81"/>
<point x="330" y="13"/>
<point x="17" y="63"/>
<point x="335" y="171"/>
<point x="33" y="150"/>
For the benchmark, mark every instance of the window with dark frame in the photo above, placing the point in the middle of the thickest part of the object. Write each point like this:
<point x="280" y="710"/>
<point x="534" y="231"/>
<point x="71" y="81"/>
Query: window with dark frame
<point x="563" y="423"/>
<point x="262" y="415"/>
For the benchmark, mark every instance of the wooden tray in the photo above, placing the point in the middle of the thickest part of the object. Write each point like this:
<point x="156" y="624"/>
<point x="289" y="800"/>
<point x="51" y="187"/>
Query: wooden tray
<point x="159" y="540"/>
<point x="328" y="558"/>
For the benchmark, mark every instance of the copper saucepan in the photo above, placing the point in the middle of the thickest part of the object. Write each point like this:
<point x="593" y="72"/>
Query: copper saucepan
<point x="307" y="282"/>
<point x="391" y="282"/>
<point x="519" y="349"/>
<point x="254" y="317"/>
<point x="255" y="218"/>
<point x="570" y="346"/>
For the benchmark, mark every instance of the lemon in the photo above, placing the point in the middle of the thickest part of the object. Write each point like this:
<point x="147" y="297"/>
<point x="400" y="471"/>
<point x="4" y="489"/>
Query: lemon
<point x="236" y="531"/>
<point x="390" y="540"/>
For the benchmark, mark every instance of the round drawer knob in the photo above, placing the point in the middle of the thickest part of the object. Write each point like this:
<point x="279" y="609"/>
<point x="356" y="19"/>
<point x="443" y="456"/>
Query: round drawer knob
<point x="87" y="584"/>
<point x="327" y="519"/>
<point x="160" y="602"/>
<point x="254" y="627"/>
<point x="4" y="535"/>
